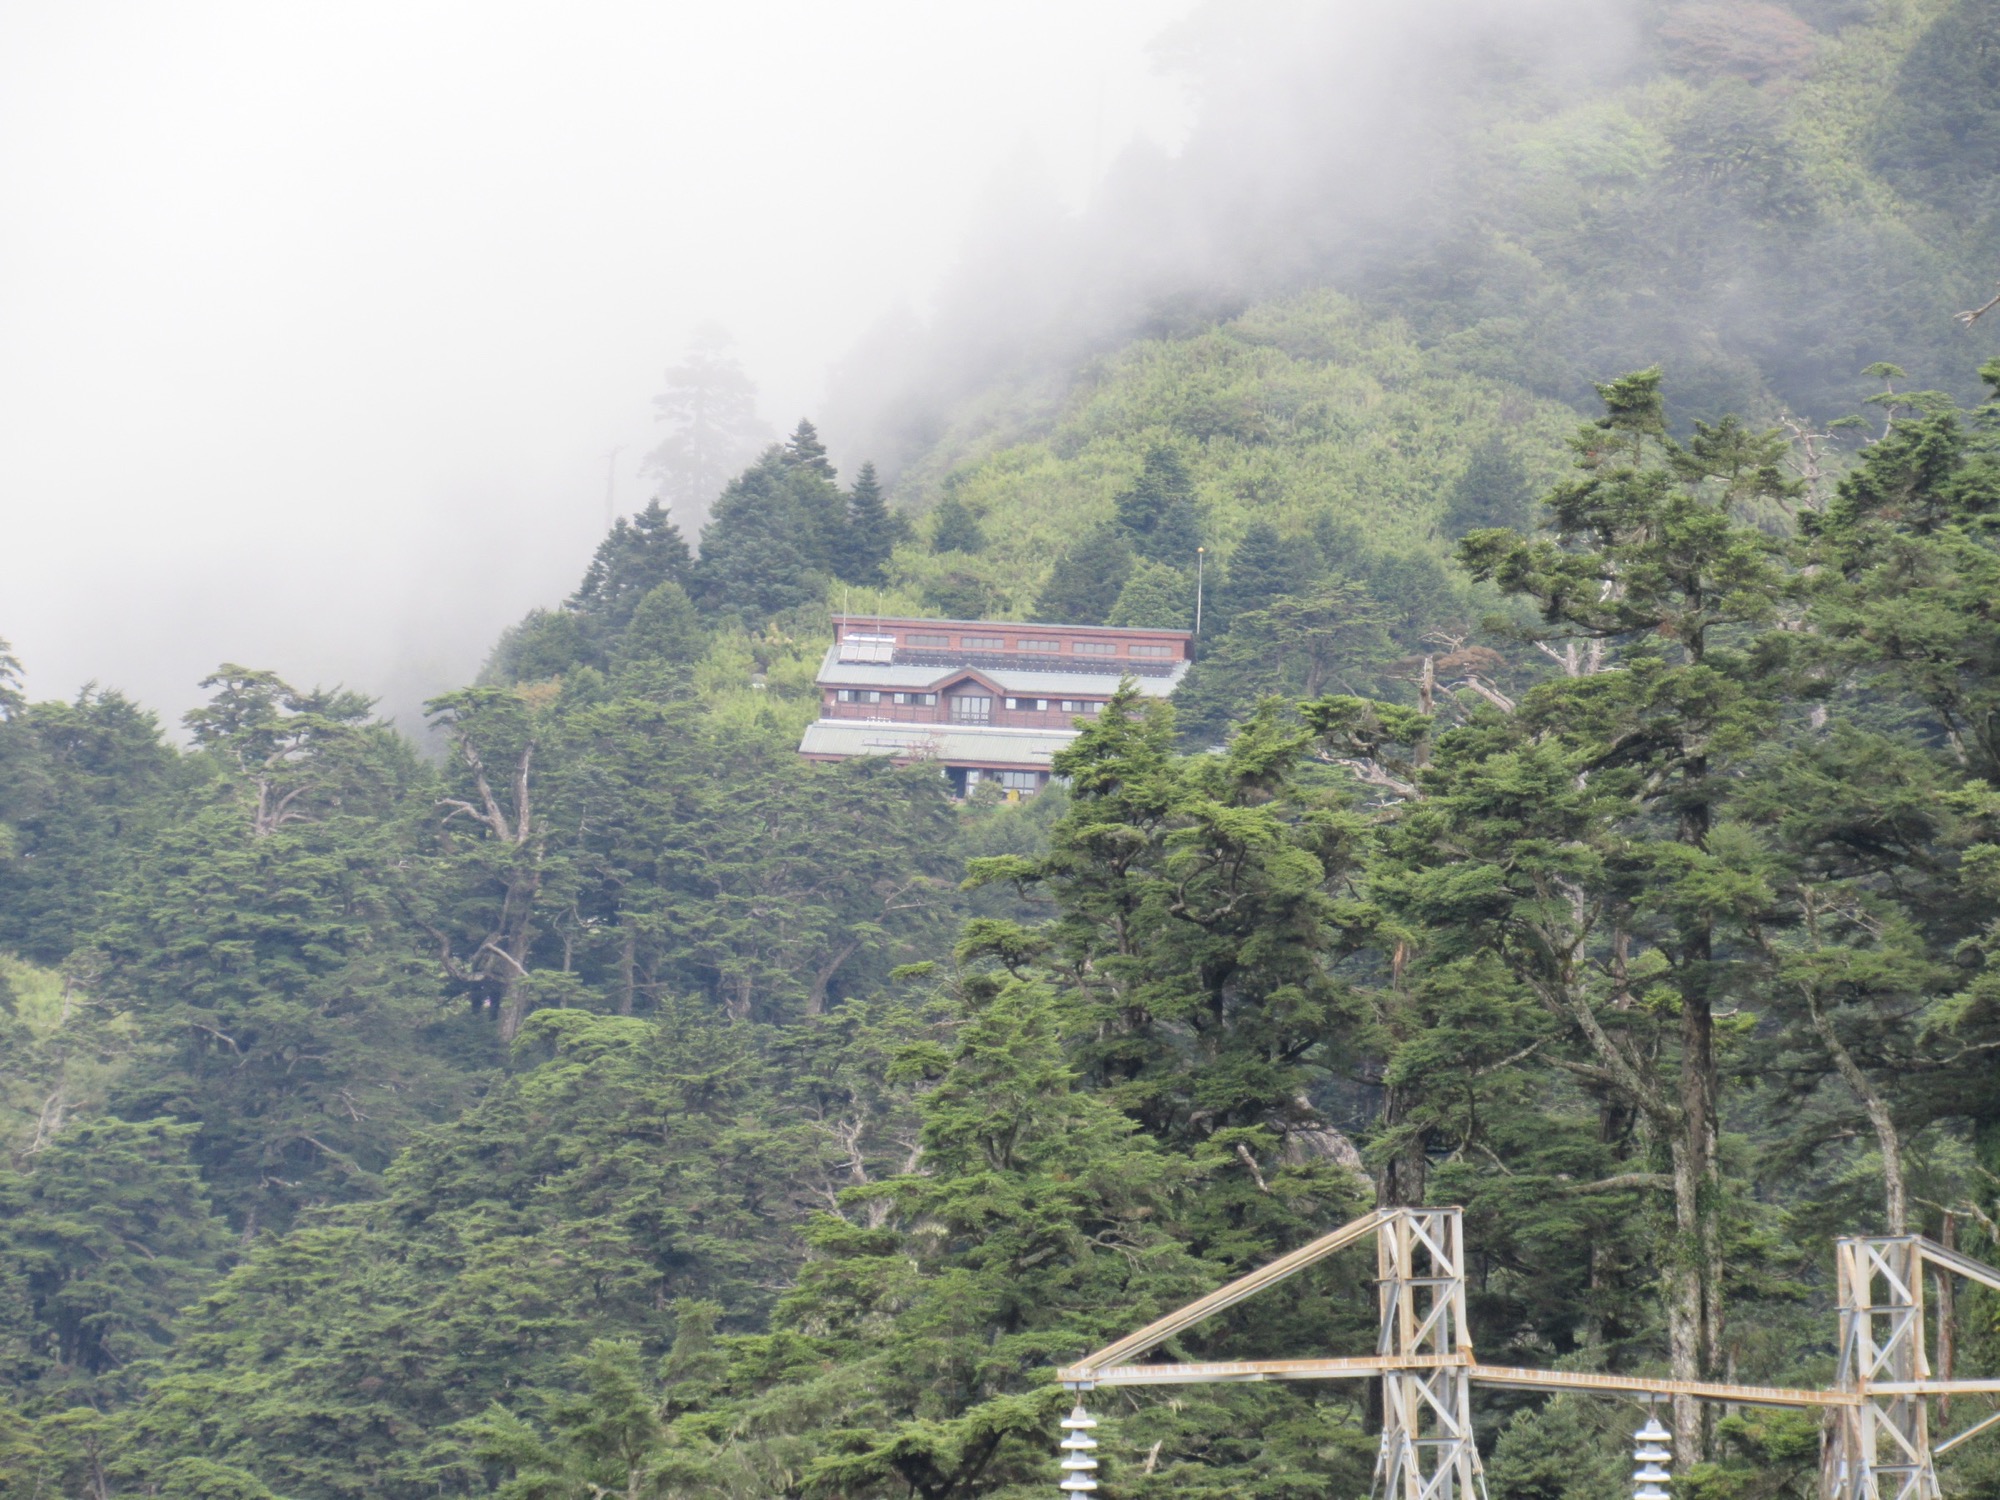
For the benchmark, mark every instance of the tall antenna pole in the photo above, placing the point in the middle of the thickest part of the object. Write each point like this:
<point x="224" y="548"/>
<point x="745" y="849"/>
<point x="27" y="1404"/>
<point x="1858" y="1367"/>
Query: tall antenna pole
<point x="1200" y="557"/>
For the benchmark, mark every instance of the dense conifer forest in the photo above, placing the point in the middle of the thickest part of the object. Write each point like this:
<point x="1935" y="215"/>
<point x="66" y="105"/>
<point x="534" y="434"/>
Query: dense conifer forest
<point x="1584" y="808"/>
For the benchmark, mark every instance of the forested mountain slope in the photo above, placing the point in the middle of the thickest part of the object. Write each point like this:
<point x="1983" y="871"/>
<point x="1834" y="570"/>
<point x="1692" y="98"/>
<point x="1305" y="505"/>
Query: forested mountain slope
<point x="1666" y="962"/>
<point x="1582" y="810"/>
<point x="1295" y="413"/>
<point x="1764" y="198"/>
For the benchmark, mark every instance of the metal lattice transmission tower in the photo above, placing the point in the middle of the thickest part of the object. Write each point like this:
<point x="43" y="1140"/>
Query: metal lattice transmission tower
<point x="1879" y="1448"/>
<point x="1877" y="1443"/>
<point x="1427" y="1450"/>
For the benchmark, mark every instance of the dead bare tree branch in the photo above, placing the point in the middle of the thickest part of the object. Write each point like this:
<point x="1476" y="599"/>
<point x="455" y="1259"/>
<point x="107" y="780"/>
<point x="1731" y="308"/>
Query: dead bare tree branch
<point x="1251" y="1162"/>
<point x="1975" y="314"/>
<point x="1374" y="775"/>
<point x="1624" y="1182"/>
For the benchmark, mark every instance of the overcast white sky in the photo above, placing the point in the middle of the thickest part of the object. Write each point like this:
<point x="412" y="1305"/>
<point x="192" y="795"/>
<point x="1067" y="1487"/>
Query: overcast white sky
<point x="318" y="320"/>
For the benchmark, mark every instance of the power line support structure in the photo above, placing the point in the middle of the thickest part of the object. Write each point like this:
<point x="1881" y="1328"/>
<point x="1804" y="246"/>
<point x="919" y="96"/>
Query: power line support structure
<point x="1880" y="1448"/>
<point x="1877" y="1443"/>
<point x="1427" y="1450"/>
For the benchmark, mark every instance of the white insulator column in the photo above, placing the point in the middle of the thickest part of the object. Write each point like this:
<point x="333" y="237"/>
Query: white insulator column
<point x="1079" y="1449"/>
<point x="1653" y="1453"/>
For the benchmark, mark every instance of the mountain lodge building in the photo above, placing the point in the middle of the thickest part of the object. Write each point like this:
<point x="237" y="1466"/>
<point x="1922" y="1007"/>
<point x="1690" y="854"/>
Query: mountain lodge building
<point x="987" y="700"/>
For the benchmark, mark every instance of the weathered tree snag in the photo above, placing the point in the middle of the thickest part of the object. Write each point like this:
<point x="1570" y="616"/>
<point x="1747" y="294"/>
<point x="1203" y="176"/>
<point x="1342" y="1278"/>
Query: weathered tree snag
<point x="1888" y="1140"/>
<point x="500" y="963"/>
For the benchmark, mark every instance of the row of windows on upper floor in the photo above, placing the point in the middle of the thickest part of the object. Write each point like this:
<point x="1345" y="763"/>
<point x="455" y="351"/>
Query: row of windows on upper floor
<point x="929" y="700"/>
<point x="1062" y="705"/>
<point x="919" y="640"/>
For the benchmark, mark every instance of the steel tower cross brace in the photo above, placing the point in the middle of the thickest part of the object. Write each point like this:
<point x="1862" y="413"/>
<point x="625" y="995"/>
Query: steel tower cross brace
<point x="1427" y="1450"/>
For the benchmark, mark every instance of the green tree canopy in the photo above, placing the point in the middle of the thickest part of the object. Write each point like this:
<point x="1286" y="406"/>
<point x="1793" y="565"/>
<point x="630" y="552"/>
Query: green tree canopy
<point x="637" y="557"/>
<point x="764" y="549"/>
<point x="1155" y="597"/>
<point x="1087" y="579"/>
<point x="1158" y="511"/>
<point x="873" y="531"/>
<point x="954" y="528"/>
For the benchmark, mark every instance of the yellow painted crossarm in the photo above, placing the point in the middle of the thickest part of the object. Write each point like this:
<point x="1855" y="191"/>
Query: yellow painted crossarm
<point x="1244" y="1286"/>
<point x="1985" y="1387"/>
<point x="1964" y="1265"/>
<point x="1368" y="1366"/>
<point x="1582" y="1380"/>
<point x="1489" y="1375"/>
<point x="1364" y="1367"/>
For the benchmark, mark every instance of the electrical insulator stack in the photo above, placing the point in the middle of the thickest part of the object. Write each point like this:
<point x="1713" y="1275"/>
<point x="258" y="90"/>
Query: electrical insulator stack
<point x="1079" y="1453"/>
<point x="1652" y="1454"/>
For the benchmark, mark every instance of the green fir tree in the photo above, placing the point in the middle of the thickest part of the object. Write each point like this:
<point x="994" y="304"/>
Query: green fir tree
<point x="763" y="551"/>
<point x="1155" y="597"/>
<point x="873" y="531"/>
<point x="1157" y="510"/>
<point x="954" y="528"/>
<point x="804" y="450"/>
<point x="637" y="557"/>
<point x="1265" y="567"/>
<point x="1493" y="491"/>
<point x="1087" y="579"/>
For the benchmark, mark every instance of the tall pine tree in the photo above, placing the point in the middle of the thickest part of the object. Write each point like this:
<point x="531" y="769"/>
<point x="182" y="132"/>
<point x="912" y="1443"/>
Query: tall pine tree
<point x="762" y="552"/>
<point x="805" y="450"/>
<point x="1266" y="566"/>
<point x="1158" y="511"/>
<point x="873" y="531"/>
<point x="821" y="506"/>
<point x="1493" y="491"/>
<point x="710" y="411"/>
<point x="637" y="557"/>
<point x="1586" y="839"/>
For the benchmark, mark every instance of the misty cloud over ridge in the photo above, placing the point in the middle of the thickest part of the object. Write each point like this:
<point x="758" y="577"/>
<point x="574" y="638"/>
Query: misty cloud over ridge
<point x="1763" y="198"/>
<point x="329" y="335"/>
<point x="324" y="328"/>
<point x="1329" y="144"/>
